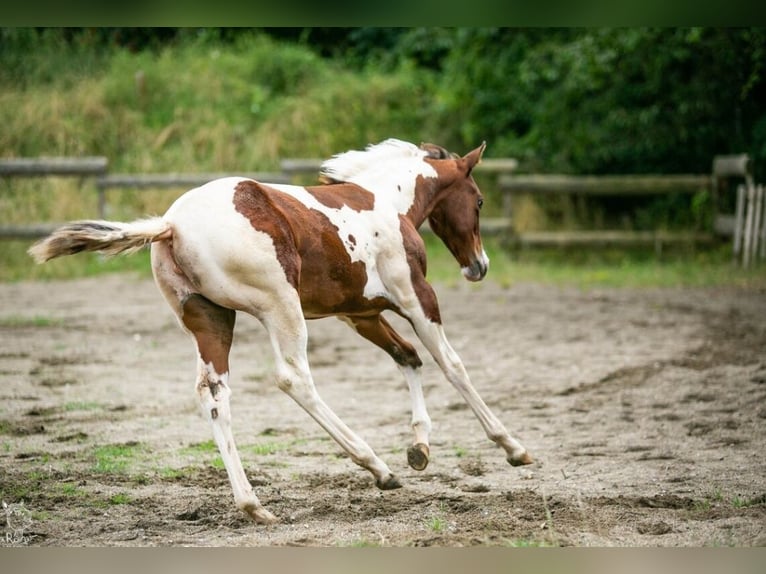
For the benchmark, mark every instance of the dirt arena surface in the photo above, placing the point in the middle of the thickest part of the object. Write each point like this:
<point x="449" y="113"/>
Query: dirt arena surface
<point x="645" y="411"/>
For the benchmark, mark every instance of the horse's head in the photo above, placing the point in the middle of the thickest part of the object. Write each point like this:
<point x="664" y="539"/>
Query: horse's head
<point x="454" y="217"/>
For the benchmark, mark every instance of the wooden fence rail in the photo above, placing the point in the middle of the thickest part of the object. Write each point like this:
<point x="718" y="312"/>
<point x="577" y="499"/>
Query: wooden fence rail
<point x="603" y="185"/>
<point x="168" y="180"/>
<point x="508" y="184"/>
<point x="291" y="170"/>
<point x="82" y="167"/>
<point x="45" y="166"/>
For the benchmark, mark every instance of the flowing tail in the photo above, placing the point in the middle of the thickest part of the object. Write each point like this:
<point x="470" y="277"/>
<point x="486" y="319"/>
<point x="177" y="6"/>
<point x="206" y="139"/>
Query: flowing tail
<point x="107" y="237"/>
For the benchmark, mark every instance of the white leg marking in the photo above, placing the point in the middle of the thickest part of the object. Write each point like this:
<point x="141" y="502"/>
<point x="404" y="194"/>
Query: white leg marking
<point x="214" y="393"/>
<point x="421" y="422"/>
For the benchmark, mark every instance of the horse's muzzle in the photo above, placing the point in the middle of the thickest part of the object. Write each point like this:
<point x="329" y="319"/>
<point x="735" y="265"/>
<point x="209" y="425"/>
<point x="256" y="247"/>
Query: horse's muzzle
<point x="477" y="270"/>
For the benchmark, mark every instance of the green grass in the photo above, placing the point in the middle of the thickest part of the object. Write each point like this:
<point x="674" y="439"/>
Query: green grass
<point x="18" y="321"/>
<point x="742" y="502"/>
<point x="115" y="459"/>
<point x="207" y="451"/>
<point x="70" y="489"/>
<point x="173" y="473"/>
<point x="16" y="265"/>
<point x="436" y="524"/>
<point x="585" y="269"/>
<point x="360" y="543"/>
<point x="82" y="406"/>
<point x="528" y="543"/>
<point x="591" y="268"/>
<point x="119" y="498"/>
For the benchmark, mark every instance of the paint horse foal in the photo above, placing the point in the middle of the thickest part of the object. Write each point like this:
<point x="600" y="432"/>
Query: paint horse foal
<point x="284" y="254"/>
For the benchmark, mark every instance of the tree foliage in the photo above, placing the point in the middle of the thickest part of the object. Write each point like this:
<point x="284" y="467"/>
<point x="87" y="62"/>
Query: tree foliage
<point x="593" y="100"/>
<point x="611" y="100"/>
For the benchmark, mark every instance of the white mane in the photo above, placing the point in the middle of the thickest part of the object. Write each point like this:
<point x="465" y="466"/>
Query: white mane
<point x="348" y="166"/>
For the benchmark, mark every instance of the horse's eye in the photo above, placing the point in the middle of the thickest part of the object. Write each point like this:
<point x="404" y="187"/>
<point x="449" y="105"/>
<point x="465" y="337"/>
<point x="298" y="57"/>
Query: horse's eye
<point x="480" y="202"/>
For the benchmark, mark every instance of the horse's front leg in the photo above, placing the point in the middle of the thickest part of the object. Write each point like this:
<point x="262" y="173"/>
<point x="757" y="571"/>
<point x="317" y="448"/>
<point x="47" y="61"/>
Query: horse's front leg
<point x="287" y="330"/>
<point x="380" y="332"/>
<point x="431" y="333"/>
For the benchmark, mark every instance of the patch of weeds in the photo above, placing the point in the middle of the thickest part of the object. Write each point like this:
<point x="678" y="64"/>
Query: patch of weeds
<point x="119" y="498"/>
<point x="170" y="473"/>
<point x="740" y="502"/>
<point x="436" y="524"/>
<point x="198" y="448"/>
<point x="13" y="492"/>
<point x="40" y="515"/>
<point x="275" y="463"/>
<point x="82" y="406"/>
<point x="36" y="476"/>
<point x="265" y="448"/>
<point x="205" y="450"/>
<point x="17" y="321"/>
<point x="140" y="479"/>
<point x="709" y="501"/>
<point x="528" y="543"/>
<point x="114" y="458"/>
<point x="70" y="489"/>
<point x="549" y="520"/>
<point x="362" y="543"/>
<point x="460" y="452"/>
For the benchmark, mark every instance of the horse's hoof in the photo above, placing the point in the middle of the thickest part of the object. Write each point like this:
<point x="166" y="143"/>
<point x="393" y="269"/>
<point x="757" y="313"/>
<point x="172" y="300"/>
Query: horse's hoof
<point x="417" y="456"/>
<point x="259" y="514"/>
<point x="390" y="483"/>
<point x="520" y="460"/>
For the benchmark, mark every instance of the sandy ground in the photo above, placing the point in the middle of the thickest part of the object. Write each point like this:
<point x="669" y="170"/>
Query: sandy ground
<point x="645" y="411"/>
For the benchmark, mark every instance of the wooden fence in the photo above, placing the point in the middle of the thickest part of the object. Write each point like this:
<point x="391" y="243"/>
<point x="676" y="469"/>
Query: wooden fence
<point x="747" y="224"/>
<point x="96" y="168"/>
<point x="607" y="185"/>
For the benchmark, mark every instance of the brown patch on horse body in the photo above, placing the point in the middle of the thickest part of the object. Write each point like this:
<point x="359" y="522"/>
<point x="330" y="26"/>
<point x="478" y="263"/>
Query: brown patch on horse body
<point x="212" y="327"/>
<point x="308" y="246"/>
<point x="254" y="201"/>
<point x="343" y="194"/>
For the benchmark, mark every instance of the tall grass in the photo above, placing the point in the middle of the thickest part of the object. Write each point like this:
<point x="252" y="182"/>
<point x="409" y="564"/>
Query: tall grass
<point x="196" y="106"/>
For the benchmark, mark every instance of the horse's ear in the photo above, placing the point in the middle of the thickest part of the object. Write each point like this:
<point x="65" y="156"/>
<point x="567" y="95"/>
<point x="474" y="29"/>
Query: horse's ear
<point x="473" y="157"/>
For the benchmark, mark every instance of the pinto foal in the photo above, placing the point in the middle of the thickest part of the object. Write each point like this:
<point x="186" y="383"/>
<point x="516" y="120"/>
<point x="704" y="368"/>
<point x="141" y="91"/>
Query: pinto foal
<point x="348" y="248"/>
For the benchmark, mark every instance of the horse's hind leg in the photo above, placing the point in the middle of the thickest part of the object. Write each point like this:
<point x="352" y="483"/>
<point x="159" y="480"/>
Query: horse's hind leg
<point x="212" y="327"/>
<point x="378" y="331"/>
<point x="287" y="330"/>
